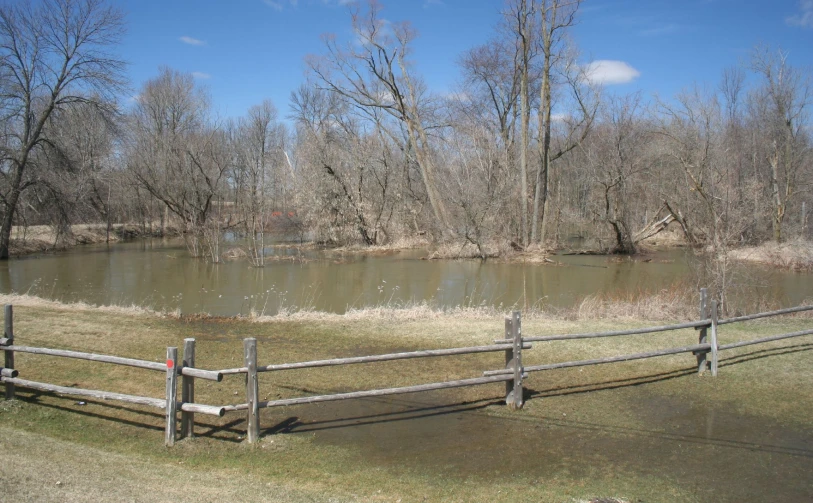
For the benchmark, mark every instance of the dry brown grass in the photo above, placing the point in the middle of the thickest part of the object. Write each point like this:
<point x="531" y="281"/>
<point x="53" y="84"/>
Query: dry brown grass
<point x="675" y="303"/>
<point x="795" y="255"/>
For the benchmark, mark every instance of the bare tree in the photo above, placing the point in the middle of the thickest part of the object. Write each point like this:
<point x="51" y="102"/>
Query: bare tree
<point x="555" y="17"/>
<point x="52" y="55"/>
<point x="617" y="155"/>
<point x="520" y="19"/>
<point x="179" y="157"/>
<point x="780" y="107"/>
<point x="374" y="73"/>
<point x="259" y="154"/>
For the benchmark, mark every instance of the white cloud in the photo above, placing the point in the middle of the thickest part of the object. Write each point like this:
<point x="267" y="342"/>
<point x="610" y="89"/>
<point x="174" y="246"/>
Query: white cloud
<point x="607" y="71"/>
<point x="804" y="17"/>
<point x="201" y="75"/>
<point x="191" y="41"/>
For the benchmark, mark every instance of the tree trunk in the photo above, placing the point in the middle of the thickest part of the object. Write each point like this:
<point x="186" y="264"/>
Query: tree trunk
<point x="8" y="216"/>
<point x="542" y="171"/>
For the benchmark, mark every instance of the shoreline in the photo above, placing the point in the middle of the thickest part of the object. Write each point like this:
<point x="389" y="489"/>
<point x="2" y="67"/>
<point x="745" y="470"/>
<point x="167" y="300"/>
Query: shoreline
<point x="42" y="239"/>
<point x="796" y="255"/>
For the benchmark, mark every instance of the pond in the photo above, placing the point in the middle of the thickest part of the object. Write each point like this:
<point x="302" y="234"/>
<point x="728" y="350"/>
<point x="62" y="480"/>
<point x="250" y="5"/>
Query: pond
<point x="160" y="274"/>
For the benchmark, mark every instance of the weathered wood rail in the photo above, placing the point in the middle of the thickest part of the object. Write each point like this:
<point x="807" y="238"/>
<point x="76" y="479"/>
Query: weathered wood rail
<point x="512" y="374"/>
<point x="8" y="375"/>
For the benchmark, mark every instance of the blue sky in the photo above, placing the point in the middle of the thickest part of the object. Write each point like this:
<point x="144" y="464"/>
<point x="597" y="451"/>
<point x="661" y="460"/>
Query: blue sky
<point x="245" y="51"/>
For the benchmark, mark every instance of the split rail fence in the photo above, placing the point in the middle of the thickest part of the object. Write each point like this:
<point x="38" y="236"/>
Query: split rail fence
<point x="512" y="374"/>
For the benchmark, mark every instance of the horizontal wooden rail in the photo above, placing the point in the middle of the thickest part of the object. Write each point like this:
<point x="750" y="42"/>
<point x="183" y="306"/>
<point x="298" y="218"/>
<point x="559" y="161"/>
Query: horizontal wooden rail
<point x="376" y="392"/>
<point x="130" y="362"/>
<point x="635" y="331"/>
<point x="609" y="359"/>
<point x="211" y="375"/>
<point x="106" y="395"/>
<point x="376" y="358"/>
<point x="764" y="339"/>
<point x="765" y="314"/>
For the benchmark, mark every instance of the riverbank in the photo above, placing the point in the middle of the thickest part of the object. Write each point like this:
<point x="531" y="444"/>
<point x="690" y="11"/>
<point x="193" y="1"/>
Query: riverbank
<point x="43" y="238"/>
<point x="794" y="255"/>
<point x="636" y="431"/>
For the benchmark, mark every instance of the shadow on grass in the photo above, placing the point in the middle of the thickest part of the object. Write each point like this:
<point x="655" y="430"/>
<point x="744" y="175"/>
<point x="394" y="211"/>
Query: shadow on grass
<point x="116" y="413"/>
<point x="413" y="409"/>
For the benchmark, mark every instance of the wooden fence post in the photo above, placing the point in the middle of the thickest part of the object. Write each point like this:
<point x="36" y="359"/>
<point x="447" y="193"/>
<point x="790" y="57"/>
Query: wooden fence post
<point x="513" y="360"/>
<point x="714" y="338"/>
<point x="509" y="356"/>
<point x="703" y="339"/>
<point x="172" y="395"/>
<point x="252" y="390"/>
<point x="188" y="390"/>
<point x="9" y="355"/>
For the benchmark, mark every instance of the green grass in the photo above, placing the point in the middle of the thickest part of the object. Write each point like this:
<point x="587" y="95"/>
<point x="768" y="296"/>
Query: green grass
<point x="648" y="430"/>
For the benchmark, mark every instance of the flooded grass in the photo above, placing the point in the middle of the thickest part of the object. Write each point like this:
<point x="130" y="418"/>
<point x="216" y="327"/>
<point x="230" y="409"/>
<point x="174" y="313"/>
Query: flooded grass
<point x="638" y="431"/>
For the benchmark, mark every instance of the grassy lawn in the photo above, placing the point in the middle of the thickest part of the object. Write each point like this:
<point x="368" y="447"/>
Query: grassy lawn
<point x="648" y="430"/>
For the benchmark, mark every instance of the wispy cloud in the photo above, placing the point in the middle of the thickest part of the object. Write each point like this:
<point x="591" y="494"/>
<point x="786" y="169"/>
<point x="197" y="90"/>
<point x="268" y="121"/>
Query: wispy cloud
<point x="280" y="5"/>
<point x="191" y="41"/>
<point x="273" y="4"/>
<point x="201" y="75"/>
<point x="662" y="29"/>
<point x="607" y="71"/>
<point x="804" y="17"/>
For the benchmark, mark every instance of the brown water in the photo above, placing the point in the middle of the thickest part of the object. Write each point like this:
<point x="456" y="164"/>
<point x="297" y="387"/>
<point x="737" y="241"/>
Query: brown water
<point x="161" y="274"/>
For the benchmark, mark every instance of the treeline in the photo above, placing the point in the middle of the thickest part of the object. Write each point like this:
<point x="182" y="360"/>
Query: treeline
<point x="529" y="152"/>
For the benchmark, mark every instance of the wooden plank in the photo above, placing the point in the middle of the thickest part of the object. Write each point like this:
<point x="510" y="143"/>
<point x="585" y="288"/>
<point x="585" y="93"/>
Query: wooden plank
<point x="8" y="351"/>
<point x="172" y="394"/>
<point x="188" y="390"/>
<point x="766" y="314"/>
<point x="380" y="392"/>
<point x="713" y="340"/>
<point x="761" y="340"/>
<point x="252" y="390"/>
<point x="600" y="361"/>
<point x="703" y="337"/>
<point x="117" y="360"/>
<point x="102" y="395"/>
<point x="636" y="331"/>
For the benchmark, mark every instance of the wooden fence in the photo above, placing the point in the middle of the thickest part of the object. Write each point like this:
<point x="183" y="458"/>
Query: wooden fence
<point x="513" y="373"/>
